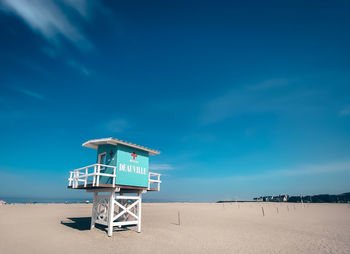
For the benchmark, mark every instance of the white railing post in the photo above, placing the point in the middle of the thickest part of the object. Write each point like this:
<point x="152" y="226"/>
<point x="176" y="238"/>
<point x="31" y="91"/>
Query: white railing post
<point x="86" y="176"/>
<point x="98" y="174"/>
<point x="74" y="179"/>
<point x="94" y="176"/>
<point x="77" y="179"/>
<point x="149" y="180"/>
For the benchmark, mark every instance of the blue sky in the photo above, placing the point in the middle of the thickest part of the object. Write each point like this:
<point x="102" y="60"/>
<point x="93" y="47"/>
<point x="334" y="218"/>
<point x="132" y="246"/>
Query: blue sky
<point x="242" y="98"/>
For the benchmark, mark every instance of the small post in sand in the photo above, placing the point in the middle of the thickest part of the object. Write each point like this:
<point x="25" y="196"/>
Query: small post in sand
<point x="178" y="218"/>
<point x="262" y="210"/>
<point x="277" y="209"/>
<point x="301" y="201"/>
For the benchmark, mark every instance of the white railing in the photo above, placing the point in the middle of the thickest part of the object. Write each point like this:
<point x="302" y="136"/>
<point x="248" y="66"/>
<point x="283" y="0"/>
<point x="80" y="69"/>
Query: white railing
<point x="90" y="174"/>
<point x="154" y="178"/>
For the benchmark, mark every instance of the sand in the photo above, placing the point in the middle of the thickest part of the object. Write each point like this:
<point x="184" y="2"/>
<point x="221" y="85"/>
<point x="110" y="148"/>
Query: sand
<point x="205" y="228"/>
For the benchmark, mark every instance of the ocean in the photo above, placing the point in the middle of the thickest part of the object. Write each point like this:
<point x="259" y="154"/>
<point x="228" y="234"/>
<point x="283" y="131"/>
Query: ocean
<point x="44" y="200"/>
<point x="68" y="200"/>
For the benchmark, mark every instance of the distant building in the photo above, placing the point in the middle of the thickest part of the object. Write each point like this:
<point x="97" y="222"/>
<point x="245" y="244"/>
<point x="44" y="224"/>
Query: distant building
<point x="279" y="198"/>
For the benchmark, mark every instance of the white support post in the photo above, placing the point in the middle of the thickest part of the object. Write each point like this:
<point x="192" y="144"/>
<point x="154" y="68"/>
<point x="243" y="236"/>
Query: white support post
<point x="115" y="176"/>
<point x="139" y="213"/>
<point x="111" y="213"/>
<point x="94" y="207"/>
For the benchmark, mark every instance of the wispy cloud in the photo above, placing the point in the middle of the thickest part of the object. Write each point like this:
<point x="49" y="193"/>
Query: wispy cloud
<point x="161" y="167"/>
<point x="301" y="170"/>
<point x="53" y="19"/>
<point x="115" y="125"/>
<point x="270" y="84"/>
<point x="9" y="113"/>
<point x="31" y="93"/>
<point x="311" y="169"/>
<point x="345" y="111"/>
<point x="79" y="67"/>
<point x="268" y="96"/>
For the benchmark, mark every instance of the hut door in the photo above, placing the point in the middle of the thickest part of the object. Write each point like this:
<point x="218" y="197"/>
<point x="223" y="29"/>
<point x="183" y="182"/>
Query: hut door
<point x="102" y="158"/>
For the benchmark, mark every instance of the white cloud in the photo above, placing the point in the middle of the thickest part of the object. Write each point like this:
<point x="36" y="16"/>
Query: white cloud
<point x="160" y="167"/>
<point x="51" y="20"/>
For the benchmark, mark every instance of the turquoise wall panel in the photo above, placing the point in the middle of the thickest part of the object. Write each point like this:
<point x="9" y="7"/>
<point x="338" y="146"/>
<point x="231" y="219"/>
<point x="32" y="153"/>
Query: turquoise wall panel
<point x="132" y="166"/>
<point x="131" y="163"/>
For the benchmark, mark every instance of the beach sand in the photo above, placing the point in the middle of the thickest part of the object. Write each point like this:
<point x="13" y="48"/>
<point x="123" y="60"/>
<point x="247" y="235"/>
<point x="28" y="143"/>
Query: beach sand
<point x="204" y="228"/>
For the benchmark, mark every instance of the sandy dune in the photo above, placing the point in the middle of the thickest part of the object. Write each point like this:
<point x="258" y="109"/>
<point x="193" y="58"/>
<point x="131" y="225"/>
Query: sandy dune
<point x="205" y="228"/>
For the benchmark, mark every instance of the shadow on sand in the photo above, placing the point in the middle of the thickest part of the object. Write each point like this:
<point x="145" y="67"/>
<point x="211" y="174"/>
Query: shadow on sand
<point x="83" y="224"/>
<point x="80" y="223"/>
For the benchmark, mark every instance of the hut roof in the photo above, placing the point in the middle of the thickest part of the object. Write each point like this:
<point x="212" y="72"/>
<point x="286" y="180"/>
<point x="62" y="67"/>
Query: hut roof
<point x="94" y="143"/>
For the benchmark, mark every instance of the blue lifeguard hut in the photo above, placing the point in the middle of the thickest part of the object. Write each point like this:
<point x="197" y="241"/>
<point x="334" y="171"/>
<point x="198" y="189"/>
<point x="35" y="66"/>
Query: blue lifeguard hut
<point x="121" y="170"/>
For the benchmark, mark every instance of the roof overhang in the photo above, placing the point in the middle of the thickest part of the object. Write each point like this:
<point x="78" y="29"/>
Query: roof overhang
<point x="94" y="143"/>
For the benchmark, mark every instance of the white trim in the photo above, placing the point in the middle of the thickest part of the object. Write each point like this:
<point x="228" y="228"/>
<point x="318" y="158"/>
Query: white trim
<point x="113" y="141"/>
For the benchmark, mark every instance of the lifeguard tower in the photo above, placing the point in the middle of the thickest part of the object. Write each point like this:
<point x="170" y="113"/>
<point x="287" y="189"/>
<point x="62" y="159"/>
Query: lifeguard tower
<point x="118" y="180"/>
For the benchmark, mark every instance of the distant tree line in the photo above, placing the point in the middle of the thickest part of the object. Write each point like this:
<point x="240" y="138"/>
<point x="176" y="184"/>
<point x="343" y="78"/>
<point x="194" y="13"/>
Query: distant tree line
<point x="321" y="198"/>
